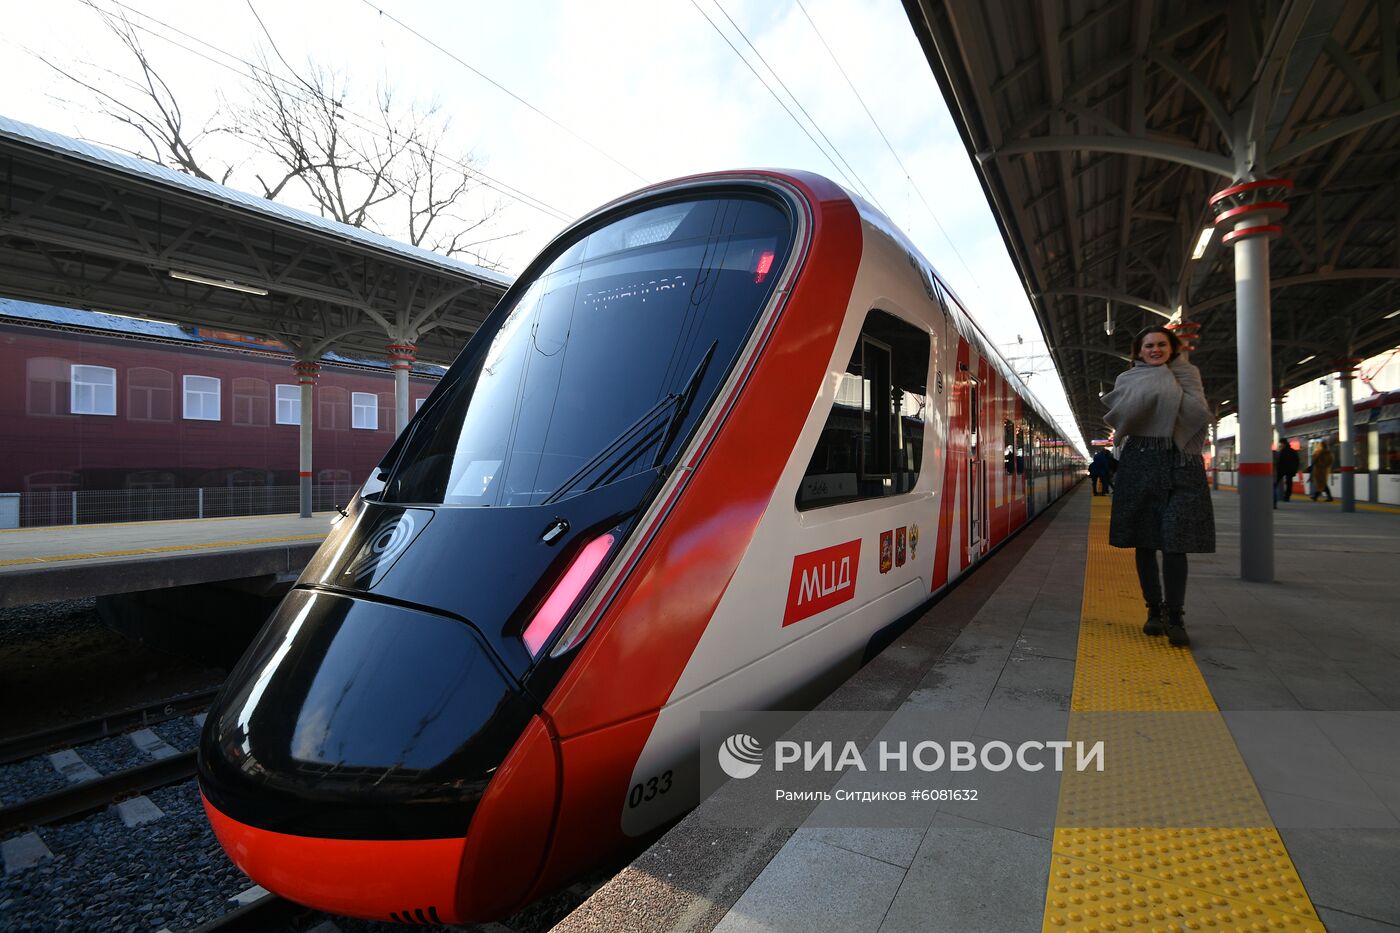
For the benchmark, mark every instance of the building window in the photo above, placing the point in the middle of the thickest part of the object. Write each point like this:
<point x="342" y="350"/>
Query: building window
<point x="872" y="443"/>
<point x="288" y="404"/>
<point x="93" y="391"/>
<point x="365" y="411"/>
<point x="201" y="398"/>
<point x="249" y="401"/>
<point x="332" y="408"/>
<point x="47" y="380"/>
<point x="150" y="394"/>
<point x="418" y="403"/>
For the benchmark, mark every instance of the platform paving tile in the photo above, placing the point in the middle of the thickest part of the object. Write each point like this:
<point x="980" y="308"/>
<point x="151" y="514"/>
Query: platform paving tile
<point x="1369" y="743"/>
<point x="810" y="885"/>
<point x="1297" y="811"/>
<point x="1386" y="787"/>
<point x="969" y="876"/>
<point x="1244" y="693"/>
<point x="896" y="845"/>
<point x="1341" y="922"/>
<point x="1350" y="870"/>
<point x="1289" y="753"/>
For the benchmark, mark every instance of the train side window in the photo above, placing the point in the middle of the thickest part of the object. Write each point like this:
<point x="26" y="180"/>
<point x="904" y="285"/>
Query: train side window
<point x="1008" y="446"/>
<point x="872" y="443"/>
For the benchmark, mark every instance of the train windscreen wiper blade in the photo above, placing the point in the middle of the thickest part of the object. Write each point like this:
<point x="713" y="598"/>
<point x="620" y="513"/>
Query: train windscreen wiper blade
<point x="634" y="440"/>
<point x="687" y="396"/>
<point x="630" y="433"/>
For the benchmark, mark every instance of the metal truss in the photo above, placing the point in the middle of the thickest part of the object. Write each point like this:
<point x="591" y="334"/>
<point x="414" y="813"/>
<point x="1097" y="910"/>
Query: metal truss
<point x="1101" y="129"/>
<point x="85" y="236"/>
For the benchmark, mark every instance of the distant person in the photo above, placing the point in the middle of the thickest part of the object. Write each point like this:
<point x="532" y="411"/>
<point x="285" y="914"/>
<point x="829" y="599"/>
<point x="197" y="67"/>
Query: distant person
<point x="1161" y="502"/>
<point x="1101" y="470"/>
<point x="1320" y="471"/>
<point x="1285" y="468"/>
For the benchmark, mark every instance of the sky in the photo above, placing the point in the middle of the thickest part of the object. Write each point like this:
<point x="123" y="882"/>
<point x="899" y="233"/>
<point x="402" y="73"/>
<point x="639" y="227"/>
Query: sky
<point x="567" y="105"/>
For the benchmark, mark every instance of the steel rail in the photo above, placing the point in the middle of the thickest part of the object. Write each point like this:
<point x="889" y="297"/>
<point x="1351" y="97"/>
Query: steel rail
<point x="92" y="795"/>
<point x="268" y="912"/>
<point x="104" y="726"/>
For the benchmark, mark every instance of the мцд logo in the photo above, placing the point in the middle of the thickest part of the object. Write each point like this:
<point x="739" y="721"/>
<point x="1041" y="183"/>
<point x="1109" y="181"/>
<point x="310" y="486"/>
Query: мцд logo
<point x="741" y="755"/>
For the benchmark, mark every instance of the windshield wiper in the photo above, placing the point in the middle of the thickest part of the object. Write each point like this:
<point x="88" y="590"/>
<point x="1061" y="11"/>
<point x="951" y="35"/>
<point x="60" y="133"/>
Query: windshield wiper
<point x="683" y="406"/>
<point x="636" y="437"/>
<point x="631" y="432"/>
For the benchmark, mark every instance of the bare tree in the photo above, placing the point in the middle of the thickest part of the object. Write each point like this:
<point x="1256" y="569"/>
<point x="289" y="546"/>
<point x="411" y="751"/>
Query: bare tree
<point x="144" y="103"/>
<point x="385" y="169"/>
<point x="434" y="188"/>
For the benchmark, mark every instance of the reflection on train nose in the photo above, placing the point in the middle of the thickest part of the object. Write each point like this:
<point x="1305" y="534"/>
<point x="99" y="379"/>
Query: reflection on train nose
<point x="369" y="711"/>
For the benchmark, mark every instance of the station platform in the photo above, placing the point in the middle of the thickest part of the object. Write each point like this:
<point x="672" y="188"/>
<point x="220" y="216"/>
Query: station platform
<point x="1251" y="781"/>
<point x="73" y="561"/>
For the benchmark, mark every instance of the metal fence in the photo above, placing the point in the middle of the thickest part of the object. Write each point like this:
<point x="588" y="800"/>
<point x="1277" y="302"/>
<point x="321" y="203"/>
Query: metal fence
<point x="93" y="506"/>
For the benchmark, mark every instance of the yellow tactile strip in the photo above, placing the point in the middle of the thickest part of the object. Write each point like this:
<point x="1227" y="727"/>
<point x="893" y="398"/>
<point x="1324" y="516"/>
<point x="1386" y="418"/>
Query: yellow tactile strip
<point x="163" y="549"/>
<point x="1173" y="834"/>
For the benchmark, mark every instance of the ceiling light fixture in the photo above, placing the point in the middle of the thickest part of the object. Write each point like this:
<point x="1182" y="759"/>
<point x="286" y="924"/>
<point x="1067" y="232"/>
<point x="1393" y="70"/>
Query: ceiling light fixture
<point x="1391" y="314"/>
<point x="217" y="283"/>
<point x="1306" y="359"/>
<point x="1202" y="242"/>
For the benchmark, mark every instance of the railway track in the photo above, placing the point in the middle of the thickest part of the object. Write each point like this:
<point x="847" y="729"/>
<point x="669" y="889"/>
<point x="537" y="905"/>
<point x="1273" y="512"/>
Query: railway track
<point x="166" y="870"/>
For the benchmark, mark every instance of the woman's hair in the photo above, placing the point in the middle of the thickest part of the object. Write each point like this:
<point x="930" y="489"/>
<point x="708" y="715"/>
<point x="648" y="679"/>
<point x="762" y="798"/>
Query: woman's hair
<point x="1172" y="339"/>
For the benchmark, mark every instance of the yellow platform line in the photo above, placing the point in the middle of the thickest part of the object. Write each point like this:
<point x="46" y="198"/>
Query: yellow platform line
<point x="1172" y="835"/>
<point x="162" y="549"/>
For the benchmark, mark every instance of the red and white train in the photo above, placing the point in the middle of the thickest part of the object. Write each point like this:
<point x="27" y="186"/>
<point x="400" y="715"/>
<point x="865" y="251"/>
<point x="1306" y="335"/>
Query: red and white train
<point x="719" y="436"/>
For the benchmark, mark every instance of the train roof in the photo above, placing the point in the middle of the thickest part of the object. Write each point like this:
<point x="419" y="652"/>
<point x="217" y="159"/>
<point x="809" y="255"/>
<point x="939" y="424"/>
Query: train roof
<point x="1381" y="406"/>
<point x="967" y="325"/>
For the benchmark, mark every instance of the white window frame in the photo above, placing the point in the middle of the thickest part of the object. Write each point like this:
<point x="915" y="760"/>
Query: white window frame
<point x="293" y="395"/>
<point x="201" y="395"/>
<point x="418" y="404"/>
<point x="84" y="381"/>
<point x="364" y="402"/>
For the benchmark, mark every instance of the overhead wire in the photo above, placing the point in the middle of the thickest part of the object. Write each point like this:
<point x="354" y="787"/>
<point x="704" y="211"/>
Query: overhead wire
<point x="510" y="191"/>
<point x="876" y="123"/>
<point x="505" y="90"/>
<point x="769" y="89"/>
<point x="815" y="125"/>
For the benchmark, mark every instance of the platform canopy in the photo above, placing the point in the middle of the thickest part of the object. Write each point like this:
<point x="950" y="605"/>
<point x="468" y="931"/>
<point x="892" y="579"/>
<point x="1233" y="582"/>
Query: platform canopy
<point x="85" y="227"/>
<point x="1102" y="128"/>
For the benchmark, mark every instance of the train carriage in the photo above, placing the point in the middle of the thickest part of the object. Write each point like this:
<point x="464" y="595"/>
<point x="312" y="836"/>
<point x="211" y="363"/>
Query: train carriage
<point x="719" y="435"/>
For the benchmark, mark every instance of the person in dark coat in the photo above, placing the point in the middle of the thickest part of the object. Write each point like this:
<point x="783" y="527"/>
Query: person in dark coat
<point x="1285" y="468"/>
<point x="1159" y="415"/>
<point x="1101" y="470"/>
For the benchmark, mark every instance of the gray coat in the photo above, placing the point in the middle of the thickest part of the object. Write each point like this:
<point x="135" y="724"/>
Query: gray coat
<point x="1161" y="499"/>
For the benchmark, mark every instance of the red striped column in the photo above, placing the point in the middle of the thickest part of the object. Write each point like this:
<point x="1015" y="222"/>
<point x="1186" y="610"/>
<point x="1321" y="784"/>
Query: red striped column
<point x="307" y="371"/>
<point x="1250" y="212"/>
<point x="401" y="357"/>
<point x="1346" y="450"/>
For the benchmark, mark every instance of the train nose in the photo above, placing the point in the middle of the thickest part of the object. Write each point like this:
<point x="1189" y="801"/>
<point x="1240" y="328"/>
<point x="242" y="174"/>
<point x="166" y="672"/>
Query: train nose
<point x="347" y="756"/>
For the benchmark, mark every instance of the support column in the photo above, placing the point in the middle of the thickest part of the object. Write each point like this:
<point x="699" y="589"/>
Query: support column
<point x="1346" y="450"/>
<point x="307" y="372"/>
<point x="1278" y="413"/>
<point x="401" y="357"/>
<point x="1214" y="455"/>
<point x="1249" y="208"/>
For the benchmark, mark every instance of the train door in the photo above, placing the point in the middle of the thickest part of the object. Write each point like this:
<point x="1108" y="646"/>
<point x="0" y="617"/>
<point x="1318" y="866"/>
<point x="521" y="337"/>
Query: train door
<point x="976" y="473"/>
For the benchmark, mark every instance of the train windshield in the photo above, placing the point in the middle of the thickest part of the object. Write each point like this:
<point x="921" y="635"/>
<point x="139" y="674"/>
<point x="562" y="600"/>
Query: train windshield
<point x="603" y="363"/>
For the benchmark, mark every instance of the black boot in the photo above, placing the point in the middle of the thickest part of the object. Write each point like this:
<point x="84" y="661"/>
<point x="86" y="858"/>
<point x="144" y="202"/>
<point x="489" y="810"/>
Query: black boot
<point x="1154" y="626"/>
<point x="1176" y="626"/>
